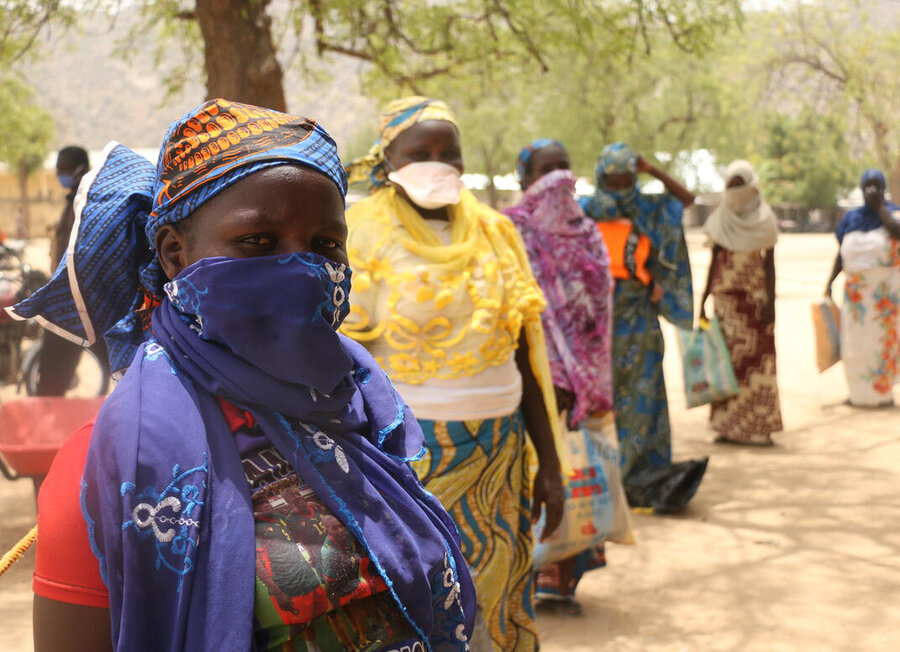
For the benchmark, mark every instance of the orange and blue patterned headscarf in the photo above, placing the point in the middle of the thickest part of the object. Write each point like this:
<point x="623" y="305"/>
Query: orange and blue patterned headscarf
<point x="397" y="117"/>
<point x="110" y="280"/>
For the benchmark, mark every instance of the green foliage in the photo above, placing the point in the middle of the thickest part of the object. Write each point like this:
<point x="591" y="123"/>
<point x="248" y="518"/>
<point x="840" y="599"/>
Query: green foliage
<point x="359" y="145"/>
<point x="27" y="129"/>
<point x="22" y="21"/>
<point x="488" y="57"/>
<point x="837" y="69"/>
<point x="172" y="24"/>
<point x="602" y="71"/>
<point x="787" y="88"/>
<point x="805" y="160"/>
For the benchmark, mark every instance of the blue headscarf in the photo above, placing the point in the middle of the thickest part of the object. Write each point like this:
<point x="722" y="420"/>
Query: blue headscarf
<point x="659" y="218"/>
<point x="617" y="158"/>
<point x="164" y="496"/>
<point x="871" y="175"/>
<point x="528" y="151"/>
<point x="863" y="218"/>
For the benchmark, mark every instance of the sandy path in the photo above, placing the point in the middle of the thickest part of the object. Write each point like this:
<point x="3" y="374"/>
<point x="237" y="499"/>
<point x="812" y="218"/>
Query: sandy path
<point x="793" y="548"/>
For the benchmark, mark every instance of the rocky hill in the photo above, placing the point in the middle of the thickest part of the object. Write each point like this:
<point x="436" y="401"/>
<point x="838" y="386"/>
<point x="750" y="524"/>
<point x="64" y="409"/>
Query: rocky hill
<point x="95" y="95"/>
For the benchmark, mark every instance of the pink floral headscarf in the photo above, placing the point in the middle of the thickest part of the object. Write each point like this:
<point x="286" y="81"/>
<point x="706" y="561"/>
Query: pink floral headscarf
<point x="571" y="264"/>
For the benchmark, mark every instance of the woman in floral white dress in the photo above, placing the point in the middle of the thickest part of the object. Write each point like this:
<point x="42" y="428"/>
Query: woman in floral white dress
<point x="870" y="329"/>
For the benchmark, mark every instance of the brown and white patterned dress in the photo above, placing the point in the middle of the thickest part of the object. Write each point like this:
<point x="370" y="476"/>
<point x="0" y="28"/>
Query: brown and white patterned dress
<point x="739" y="292"/>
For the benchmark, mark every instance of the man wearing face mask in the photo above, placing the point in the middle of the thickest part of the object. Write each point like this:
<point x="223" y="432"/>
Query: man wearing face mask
<point x="445" y="299"/>
<point x="72" y="164"/>
<point x="59" y="357"/>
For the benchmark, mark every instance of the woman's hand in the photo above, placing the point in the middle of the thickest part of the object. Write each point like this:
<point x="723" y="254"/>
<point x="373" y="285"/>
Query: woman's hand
<point x="549" y="493"/>
<point x="838" y="267"/>
<point x="656" y="293"/>
<point x="548" y="487"/>
<point x="643" y="166"/>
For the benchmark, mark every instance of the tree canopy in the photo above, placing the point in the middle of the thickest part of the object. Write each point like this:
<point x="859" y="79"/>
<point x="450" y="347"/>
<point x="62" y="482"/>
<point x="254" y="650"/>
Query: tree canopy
<point x="27" y="129"/>
<point x="785" y="88"/>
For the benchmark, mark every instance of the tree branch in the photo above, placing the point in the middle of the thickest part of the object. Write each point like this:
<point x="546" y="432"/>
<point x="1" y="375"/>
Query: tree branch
<point x="520" y="34"/>
<point x="677" y="36"/>
<point x="327" y="46"/>
<point x="43" y="19"/>
<point x="816" y="64"/>
<point x="395" y="29"/>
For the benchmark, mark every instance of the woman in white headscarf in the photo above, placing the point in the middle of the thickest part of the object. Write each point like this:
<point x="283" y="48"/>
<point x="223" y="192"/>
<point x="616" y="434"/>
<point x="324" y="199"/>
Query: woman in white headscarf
<point x="742" y="232"/>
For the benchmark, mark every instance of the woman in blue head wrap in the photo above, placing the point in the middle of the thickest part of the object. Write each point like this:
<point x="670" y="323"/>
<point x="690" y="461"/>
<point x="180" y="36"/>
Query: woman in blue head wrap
<point x="870" y="259"/>
<point x="247" y="485"/>
<point x="652" y="273"/>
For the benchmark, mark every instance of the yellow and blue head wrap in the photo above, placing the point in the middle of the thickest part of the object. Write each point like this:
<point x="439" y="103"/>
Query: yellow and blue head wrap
<point x="398" y="116"/>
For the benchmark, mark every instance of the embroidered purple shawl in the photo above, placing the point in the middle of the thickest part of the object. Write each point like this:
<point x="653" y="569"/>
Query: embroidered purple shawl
<point x="571" y="264"/>
<point x="164" y="495"/>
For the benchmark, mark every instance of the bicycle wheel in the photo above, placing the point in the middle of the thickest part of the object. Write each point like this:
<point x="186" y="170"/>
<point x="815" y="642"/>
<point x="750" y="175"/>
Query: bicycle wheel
<point x="90" y="378"/>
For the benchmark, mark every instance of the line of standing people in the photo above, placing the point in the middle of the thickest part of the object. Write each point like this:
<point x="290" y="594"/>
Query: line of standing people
<point x="441" y="277"/>
<point x="462" y="306"/>
<point x="250" y="484"/>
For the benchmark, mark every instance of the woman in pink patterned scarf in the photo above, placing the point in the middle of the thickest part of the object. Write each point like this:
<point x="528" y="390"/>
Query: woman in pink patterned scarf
<point x="571" y="264"/>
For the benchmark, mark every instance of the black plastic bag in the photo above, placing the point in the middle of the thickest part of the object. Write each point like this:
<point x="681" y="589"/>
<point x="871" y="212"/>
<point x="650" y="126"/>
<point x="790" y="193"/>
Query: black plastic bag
<point x="667" y="489"/>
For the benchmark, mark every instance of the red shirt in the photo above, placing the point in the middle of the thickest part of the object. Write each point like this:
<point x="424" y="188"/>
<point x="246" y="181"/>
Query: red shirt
<point x="65" y="568"/>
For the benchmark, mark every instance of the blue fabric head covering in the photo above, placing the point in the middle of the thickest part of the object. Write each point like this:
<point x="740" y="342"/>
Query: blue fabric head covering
<point x="109" y="280"/>
<point x="872" y="175"/>
<point x="528" y="151"/>
<point x="617" y="158"/>
<point x="659" y="218"/>
<point x="863" y="218"/>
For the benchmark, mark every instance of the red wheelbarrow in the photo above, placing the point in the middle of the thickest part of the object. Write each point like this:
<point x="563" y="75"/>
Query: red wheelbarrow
<point x="33" y="429"/>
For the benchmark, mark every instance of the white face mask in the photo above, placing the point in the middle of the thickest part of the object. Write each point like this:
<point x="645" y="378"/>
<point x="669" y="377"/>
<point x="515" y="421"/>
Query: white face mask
<point x="742" y="199"/>
<point x="429" y="184"/>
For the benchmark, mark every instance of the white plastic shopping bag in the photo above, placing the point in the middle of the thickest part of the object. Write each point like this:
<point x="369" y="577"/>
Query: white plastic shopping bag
<point x="596" y="507"/>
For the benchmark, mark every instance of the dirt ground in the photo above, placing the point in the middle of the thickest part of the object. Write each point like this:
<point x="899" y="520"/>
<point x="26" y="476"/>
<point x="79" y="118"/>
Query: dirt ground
<point x="792" y="548"/>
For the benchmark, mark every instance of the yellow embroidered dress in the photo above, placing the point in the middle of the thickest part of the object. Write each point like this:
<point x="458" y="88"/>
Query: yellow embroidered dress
<point x="435" y="312"/>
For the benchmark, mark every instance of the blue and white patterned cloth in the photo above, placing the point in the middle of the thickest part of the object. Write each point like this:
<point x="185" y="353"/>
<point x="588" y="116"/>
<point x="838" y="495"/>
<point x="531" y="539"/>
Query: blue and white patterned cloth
<point x="109" y="280"/>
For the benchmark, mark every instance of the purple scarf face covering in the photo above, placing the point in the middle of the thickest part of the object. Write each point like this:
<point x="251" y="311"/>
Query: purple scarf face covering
<point x="164" y="495"/>
<point x="570" y="261"/>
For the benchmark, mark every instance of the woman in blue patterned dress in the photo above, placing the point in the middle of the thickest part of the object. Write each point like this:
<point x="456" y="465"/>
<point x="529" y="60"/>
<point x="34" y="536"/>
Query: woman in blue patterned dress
<point x="649" y="261"/>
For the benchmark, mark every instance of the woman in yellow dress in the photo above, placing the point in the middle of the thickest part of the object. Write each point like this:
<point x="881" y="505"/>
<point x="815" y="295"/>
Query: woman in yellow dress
<point x="444" y="298"/>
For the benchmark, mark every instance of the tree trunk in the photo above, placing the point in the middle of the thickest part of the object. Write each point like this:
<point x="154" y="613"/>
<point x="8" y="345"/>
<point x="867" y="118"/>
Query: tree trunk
<point x="493" y="196"/>
<point x="239" y="55"/>
<point x="894" y="181"/>
<point x="23" y="197"/>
